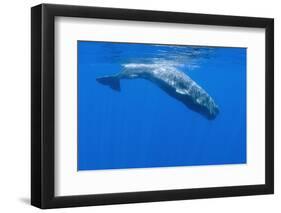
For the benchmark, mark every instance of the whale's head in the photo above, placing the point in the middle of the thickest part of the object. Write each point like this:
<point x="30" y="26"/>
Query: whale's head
<point x="205" y="105"/>
<point x="210" y="108"/>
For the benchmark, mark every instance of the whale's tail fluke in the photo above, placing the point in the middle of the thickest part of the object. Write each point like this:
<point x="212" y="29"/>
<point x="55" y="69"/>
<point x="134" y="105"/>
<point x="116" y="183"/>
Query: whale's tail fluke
<point x="111" y="81"/>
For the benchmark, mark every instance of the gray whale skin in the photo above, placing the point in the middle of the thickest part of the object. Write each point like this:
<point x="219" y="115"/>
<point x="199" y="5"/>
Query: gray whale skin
<point x="174" y="82"/>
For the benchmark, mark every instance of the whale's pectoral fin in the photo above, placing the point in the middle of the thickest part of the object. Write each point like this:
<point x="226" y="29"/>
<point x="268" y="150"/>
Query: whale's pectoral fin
<point x="111" y="81"/>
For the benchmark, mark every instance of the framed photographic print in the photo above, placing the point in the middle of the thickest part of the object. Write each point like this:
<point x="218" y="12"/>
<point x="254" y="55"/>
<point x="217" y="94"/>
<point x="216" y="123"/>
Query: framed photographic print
<point x="139" y="106"/>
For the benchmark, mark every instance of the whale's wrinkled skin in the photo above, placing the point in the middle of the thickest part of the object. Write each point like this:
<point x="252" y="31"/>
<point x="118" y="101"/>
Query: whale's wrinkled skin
<point x="174" y="82"/>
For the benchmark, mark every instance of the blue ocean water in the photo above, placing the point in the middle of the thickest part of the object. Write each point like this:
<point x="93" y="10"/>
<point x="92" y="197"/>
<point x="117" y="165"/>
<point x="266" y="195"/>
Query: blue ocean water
<point x="141" y="126"/>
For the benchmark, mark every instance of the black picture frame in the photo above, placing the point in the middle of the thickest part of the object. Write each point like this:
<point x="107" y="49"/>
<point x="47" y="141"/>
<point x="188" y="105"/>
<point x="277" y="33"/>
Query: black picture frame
<point x="43" y="111"/>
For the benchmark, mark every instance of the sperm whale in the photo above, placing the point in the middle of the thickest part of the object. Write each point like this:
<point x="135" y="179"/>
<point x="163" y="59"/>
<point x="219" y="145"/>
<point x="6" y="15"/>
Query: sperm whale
<point x="174" y="82"/>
